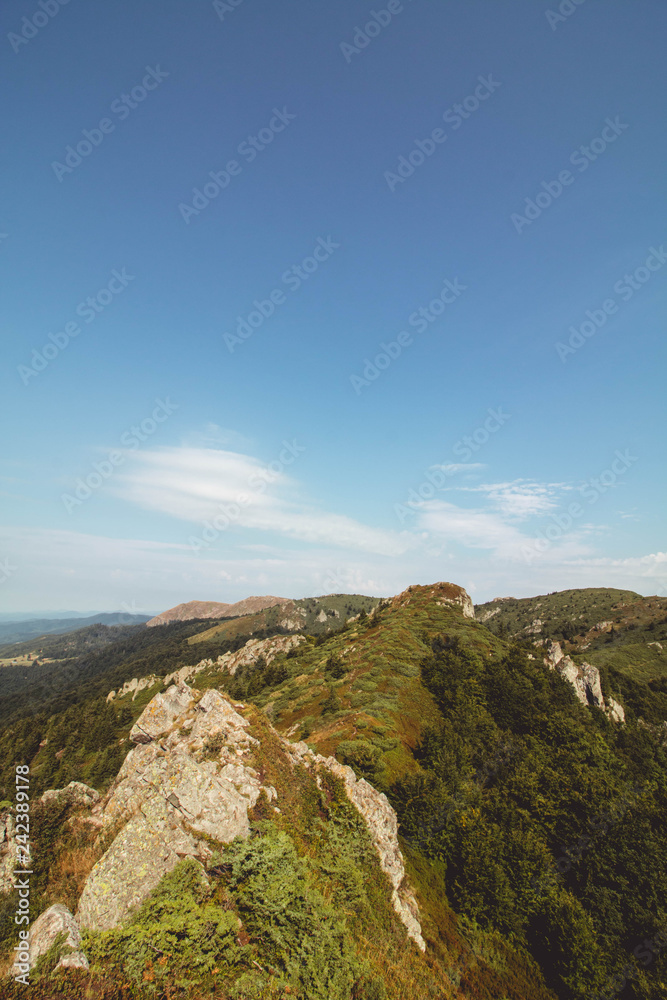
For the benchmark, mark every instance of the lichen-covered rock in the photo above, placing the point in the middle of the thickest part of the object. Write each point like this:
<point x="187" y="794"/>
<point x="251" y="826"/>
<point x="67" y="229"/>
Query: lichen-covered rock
<point x="76" y="794"/>
<point x="44" y="931"/>
<point x="187" y="784"/>
<point x="7" y="852"/>
<point x="161" y="713"/>
<point x="267" y="648"/>
<point x="382" y="825"/>
<point x="129" y="871"/>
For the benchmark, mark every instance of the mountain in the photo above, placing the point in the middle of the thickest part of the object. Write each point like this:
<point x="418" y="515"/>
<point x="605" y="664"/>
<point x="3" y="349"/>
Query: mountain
<point x="615" y="629"/>
<point x="19" y="631"/>
<point x="213" y="609"/>
<point x="404" y="804"/>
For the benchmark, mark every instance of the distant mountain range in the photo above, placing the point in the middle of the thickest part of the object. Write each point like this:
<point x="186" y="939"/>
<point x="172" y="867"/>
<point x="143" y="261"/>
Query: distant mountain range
<point x="21" y="631"/>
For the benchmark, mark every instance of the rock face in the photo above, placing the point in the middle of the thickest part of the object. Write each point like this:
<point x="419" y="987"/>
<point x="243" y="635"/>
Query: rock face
<point x="187" y="781"/>
<point x="254" y="648"/>
<point x="382" y="824"/>
<point x="44" y="931"/>
<point x="133" y="687"/>
<point x="183" y="782"/>
<point x="585" y="680"/>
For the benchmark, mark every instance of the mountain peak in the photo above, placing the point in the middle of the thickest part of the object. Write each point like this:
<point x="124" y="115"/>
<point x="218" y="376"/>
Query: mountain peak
<point x="215" y="609"/>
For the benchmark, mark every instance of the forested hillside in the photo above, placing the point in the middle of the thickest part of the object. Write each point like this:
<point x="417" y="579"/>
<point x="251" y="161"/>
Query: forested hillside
<point x="532" y="826"/>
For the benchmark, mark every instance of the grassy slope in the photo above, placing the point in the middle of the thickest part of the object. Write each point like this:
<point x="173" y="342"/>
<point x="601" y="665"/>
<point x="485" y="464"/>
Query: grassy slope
<point x="630" y="623"/>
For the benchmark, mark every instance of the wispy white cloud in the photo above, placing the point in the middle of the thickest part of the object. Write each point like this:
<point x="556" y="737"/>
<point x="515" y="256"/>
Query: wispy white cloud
<point x="195" y="484"/>
<point x="520" y="498"/>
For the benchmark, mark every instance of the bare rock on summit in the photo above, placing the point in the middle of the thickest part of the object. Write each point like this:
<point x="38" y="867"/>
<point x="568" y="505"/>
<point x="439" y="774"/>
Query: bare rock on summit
<point x="214" y="609"/>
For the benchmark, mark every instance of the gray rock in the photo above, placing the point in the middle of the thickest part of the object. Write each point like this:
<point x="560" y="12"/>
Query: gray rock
<point x="125" y="875"/>
<point x="8" y="852"/>
<point x="45" y="930"/>
<point x="76" y="793"/>
<point x="161" y="713"/>
<point x="171" y="795"/>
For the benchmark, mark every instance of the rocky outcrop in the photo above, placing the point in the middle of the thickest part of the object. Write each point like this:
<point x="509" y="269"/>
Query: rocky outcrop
<point x="442" y="593"/>
<point x="249" y="654"/>
<point x="184" y="782"/>
<point x="161" y="713"/>
<point x="75" y="794"/>
<point x="134" y="686"/>
<point x="7" y="851"/>
<point x="485" y="615"/>
<point x="56" y="921"/>
<point x="382" y="824"/>
<point x="585" y="679"/>
<point x="254" y="648"/>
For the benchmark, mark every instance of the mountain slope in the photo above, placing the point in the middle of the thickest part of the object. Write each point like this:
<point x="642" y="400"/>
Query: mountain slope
<point x="526" y="818"/>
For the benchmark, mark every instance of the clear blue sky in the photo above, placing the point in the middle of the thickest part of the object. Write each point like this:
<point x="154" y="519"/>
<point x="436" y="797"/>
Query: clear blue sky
<point x="171" y="93"/>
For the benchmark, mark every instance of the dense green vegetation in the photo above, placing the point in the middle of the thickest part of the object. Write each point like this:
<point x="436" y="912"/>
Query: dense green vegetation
<point x="549" y="821"/>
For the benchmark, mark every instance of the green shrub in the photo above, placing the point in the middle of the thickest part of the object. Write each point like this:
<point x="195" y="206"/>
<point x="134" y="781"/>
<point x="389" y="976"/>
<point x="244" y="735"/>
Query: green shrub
<point x="301" y="934"/>
<point x="364" y="758"/>
<point x="178" y="932"/>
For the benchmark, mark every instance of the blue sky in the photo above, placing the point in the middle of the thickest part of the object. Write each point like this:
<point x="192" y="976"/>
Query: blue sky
<point x="478" y="187"/>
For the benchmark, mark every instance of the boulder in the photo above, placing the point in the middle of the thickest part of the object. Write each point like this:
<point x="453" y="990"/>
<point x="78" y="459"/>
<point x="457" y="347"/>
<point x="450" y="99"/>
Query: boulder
<point x="76" y="794"/>
<point x="161" y="713"/>
<point x="44" y="931"/>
